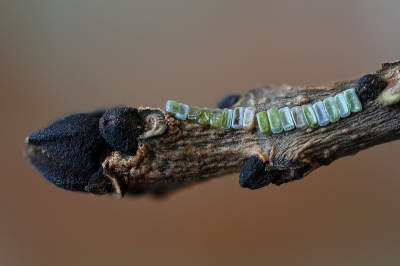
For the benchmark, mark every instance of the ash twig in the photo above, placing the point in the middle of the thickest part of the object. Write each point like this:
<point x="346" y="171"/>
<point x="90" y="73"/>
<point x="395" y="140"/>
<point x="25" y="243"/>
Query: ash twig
<point x="172" y="153"/>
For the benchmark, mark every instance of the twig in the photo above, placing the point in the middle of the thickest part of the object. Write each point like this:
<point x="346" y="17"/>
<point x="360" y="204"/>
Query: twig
<point x="170" y="153"/>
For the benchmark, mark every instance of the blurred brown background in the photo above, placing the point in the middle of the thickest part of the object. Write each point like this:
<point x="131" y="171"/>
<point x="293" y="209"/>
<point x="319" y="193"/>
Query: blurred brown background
<point x="62" y="56"/>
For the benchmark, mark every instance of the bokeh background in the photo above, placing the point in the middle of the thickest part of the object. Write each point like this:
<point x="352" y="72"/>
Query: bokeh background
<point x="57" y="57"/>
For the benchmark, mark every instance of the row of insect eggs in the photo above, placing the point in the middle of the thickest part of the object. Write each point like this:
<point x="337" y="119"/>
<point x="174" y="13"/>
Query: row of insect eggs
<point x="273" y="120"/>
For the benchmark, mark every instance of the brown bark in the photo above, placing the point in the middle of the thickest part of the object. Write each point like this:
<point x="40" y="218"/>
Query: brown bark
<point x="175" y="153"/>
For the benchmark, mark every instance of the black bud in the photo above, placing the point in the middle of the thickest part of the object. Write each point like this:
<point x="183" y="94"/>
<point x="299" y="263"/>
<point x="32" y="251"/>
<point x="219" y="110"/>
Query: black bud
<point x="369" y="87"/>
<point x="68" y="151"/>
<point x="254" y="174"/>
<point x="120" y="127"/>
<point x="228" y="101"/>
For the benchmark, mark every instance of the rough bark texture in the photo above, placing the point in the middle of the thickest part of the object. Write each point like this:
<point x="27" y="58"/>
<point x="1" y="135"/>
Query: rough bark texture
<point x="174" y="153"/>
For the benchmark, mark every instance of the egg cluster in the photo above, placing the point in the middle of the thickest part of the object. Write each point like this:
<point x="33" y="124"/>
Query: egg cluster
<point x="273" y="120"/>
